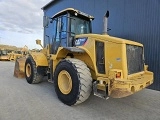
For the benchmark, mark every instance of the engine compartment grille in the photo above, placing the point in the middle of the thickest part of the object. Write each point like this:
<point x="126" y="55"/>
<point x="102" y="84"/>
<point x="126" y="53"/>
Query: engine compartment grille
<point x="135" y="59"/>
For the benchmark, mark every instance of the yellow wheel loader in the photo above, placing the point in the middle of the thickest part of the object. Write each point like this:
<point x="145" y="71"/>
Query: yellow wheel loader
<point x="14" y="55"/>
<point x="3" y="55"/>
<point x="21" y="52"/>
<point x="78" y="61"/>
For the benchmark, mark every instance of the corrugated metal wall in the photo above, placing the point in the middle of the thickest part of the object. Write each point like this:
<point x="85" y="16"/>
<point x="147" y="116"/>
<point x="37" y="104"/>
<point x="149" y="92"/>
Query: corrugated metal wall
<point x="137" y="20"/>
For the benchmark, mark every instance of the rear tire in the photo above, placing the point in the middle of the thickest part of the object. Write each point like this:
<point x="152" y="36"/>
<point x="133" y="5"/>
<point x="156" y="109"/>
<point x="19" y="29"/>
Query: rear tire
<point x="79" y="85"/>
<point x="31" y="74"/>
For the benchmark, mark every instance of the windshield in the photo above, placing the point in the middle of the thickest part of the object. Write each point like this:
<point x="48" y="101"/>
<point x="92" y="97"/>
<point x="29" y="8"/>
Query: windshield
<point x="80" y="26"/>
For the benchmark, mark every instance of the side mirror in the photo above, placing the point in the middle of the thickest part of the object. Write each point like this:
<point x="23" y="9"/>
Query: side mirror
<point x="38" y="42"/>
<point x="45" y="21"/>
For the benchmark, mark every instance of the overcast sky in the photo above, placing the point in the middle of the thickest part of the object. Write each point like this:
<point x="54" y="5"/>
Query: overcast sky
<point x="21" y="22"/>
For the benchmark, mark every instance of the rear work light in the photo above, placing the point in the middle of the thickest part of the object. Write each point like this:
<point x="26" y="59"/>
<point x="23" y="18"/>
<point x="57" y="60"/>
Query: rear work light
<point x="118" y="75"/>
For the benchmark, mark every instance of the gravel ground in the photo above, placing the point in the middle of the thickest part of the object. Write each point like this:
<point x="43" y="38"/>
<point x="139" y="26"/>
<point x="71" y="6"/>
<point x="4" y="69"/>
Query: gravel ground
<point x="22" y="101"/>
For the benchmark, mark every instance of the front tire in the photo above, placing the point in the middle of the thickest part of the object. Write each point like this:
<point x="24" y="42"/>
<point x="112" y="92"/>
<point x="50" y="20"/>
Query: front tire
<point x="73" y="82"/>
<point x="31" y="74"/>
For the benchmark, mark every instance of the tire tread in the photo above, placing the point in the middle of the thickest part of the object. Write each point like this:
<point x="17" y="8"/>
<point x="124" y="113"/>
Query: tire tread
<point x="85" y="79"/>
<point x="37" y="78"/>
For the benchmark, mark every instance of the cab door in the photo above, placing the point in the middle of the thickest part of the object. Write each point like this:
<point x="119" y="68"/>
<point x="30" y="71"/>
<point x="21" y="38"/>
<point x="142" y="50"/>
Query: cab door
<point x="60" y="34"/>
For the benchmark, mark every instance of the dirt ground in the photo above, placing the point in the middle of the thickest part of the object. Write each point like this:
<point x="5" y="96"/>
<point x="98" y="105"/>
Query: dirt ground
<point x="22" y="101"/>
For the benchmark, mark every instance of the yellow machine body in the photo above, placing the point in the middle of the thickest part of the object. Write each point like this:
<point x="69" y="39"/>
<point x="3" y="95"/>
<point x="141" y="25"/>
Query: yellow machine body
<point x="18" y="53"/>
<point x="39" y="58"/>
<point x="4" y="58"/>
<point x="14" y="55"/>
<point x="115" y="62"/>
<point x="3" y="55"/>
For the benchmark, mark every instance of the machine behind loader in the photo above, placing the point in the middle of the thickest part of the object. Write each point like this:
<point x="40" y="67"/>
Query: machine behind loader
<point x="78" y="61"/>
<point x="3" y="55"/>
<point x="21" y="52"/>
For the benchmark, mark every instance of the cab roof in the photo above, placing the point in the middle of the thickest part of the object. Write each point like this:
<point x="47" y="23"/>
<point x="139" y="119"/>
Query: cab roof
<point x="73" y="11"/>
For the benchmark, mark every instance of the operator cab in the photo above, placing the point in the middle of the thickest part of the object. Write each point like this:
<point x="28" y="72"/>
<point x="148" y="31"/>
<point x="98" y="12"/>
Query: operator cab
<point x="66" y="24"/>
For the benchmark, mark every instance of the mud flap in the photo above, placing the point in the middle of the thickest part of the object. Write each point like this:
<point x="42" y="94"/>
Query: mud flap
<point x="19" y="68"/>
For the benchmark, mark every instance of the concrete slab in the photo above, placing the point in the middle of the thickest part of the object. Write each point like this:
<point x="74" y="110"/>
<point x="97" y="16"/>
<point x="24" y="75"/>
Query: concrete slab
<point x="22" y="101"/>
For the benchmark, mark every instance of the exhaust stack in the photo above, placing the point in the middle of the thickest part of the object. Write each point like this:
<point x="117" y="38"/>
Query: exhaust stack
<point x="105" y="22"/>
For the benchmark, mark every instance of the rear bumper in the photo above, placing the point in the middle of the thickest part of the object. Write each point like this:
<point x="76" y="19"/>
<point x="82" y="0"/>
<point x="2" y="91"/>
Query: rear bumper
<point x="121" y="88"/>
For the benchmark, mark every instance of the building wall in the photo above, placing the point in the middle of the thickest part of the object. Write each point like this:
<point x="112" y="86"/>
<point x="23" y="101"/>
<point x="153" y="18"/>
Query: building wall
<point x="137" y="20"/>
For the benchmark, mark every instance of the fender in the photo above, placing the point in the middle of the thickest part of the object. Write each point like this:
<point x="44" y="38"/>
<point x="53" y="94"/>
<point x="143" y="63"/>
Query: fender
<point x="39" y="58"/>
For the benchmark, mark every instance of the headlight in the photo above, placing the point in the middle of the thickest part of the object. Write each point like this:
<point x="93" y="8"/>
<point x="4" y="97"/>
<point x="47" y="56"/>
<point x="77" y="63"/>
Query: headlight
<point x="80" y="41"/>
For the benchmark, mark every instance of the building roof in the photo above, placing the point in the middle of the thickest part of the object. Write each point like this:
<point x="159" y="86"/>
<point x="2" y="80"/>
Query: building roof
<point x="48" y="4"/>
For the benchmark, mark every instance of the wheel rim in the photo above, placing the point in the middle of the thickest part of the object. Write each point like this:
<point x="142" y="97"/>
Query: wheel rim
<point x="28" y="70"/>
<point x="64" y="82"/>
